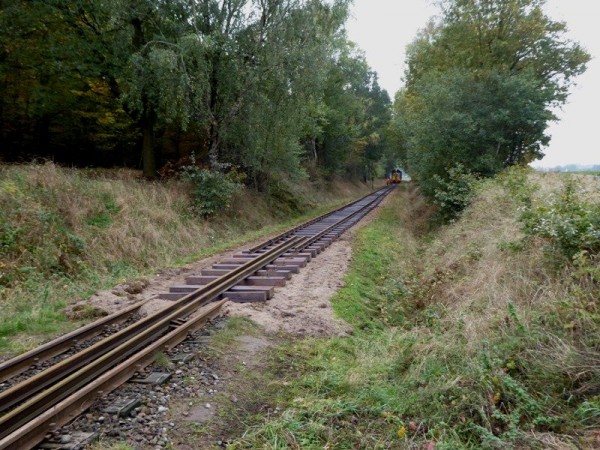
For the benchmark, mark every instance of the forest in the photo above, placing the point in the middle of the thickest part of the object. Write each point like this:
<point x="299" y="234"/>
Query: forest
<point x="252" y="91"/>
<point x="267" y="86"/>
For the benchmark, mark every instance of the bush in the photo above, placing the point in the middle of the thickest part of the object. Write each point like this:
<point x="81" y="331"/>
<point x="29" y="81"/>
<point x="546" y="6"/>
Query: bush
<point x="568" y="223"/>
<point x="212" y="190"/>
<point x="455" y="192"/>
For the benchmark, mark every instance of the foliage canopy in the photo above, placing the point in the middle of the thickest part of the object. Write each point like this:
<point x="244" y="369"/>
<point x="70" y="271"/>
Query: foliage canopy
<point x="266" y="85"/>
<point x="480" y="87"/>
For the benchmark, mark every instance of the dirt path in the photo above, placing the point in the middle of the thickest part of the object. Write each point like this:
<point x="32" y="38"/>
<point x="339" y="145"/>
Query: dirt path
<point x="301" y="308"/>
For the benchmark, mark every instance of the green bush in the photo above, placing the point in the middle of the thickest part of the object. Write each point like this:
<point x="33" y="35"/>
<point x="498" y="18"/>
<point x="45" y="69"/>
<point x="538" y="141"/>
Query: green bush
<point x="212" y="190"/>
<point x="454" y="192"/>
<point x="568" y="223"/>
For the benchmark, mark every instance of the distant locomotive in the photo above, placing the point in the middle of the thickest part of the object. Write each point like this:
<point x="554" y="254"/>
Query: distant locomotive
<point x="395" y="178"/>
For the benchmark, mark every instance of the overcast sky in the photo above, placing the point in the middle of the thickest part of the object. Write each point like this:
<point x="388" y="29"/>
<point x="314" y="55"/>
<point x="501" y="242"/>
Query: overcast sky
<point x="383" y="28"/>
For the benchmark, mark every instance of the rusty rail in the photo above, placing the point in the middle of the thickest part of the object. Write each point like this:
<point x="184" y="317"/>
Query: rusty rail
<point x="72" y="373"/>
<point x="20" y="363"/>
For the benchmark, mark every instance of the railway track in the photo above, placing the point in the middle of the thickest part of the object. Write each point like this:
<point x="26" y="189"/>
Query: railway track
<point x="65" y="386"/>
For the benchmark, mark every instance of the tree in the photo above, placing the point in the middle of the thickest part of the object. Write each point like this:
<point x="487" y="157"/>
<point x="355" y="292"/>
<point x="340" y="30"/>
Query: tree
<point x="55" y="101"/>
<point x="480" y="86"/>
<point x="237" y="82"/>
<point x="263" y="115"/>
<point x="482" y="124"/>
<point x="353" y="115"/>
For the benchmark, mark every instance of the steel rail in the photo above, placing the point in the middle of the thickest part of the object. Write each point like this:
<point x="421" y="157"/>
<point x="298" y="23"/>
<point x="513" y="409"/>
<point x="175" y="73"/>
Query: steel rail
<point x="34" y="431"/>
<point x="43" y="379"/>
<point x="307" y="223"/>
<point x="73" y="376"/>
<point x="95" y="363"/>
<point x="20" y="363"/>
<point x="319" y="235"/>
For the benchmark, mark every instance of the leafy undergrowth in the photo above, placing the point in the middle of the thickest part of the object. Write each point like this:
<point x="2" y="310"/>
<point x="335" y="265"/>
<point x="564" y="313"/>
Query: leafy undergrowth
<point x="66" y="233"/>
<point x="481" y="334"/>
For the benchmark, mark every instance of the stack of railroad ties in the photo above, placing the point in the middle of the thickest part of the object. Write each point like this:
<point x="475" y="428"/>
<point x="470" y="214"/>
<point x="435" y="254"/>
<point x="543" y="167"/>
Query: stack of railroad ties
<point x="55" y="395"/>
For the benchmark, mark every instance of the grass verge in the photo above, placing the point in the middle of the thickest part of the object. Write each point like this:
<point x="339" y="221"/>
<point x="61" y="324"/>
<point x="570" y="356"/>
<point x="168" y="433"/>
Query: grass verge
<point x="466" y="338"/>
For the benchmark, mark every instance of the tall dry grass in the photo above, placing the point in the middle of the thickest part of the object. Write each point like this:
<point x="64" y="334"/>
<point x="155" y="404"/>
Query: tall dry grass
<point x="466" y="336"/>
<point x="524" y="326"/>
<point x="65" y="233"/>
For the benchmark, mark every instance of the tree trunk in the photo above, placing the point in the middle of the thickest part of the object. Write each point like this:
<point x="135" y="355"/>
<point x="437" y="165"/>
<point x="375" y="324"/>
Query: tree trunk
<point x="213" y="133"/>
<point x="213" y="150"/>
<point x="148" y="153"/>
<point x="148" y="119"/>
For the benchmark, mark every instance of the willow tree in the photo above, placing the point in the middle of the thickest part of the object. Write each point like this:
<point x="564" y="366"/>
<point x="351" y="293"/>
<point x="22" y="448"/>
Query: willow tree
<point x="289" y="73"/>
<point x="238" y="72"/>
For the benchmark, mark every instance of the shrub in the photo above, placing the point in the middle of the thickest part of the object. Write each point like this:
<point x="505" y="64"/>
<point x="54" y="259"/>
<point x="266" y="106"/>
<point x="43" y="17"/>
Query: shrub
<point x="455" y="192"/>
<point x="212" y="190"/>
<point x="568" y="223"/>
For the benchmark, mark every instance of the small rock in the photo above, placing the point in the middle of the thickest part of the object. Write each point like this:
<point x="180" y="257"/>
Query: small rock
<point x="162" y="409"/>
<point x="207" y="406"/>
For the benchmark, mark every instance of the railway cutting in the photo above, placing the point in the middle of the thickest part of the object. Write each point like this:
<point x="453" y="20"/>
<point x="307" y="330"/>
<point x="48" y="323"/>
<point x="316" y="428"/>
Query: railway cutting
<point x="51" y="385"/>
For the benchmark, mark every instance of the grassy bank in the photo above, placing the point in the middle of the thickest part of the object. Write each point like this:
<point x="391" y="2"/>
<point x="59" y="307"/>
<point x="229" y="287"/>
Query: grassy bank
<point x="480" y="334"/>
<point x="66" y="233"/>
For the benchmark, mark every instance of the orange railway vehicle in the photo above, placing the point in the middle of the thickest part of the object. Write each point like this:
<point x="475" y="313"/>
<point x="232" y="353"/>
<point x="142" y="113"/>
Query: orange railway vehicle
<point x="396" y="176"/>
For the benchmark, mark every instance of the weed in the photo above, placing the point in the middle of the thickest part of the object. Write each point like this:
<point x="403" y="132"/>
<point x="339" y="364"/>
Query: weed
<point x="162" y="360"/>
<point x="115" y="446"/>
<point x="455" y="192"/>
<point x="212" y="190"/>
<point x="568" y="223"/>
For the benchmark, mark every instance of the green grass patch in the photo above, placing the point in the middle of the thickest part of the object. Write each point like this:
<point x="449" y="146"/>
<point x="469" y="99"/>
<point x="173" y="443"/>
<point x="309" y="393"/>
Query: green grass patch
<point x="374" y="282"/>
<point x="234" y="327"/>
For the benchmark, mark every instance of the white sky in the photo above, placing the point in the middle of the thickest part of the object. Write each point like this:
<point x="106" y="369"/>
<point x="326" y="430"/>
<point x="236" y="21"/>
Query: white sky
<point x="383" y="28"/>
